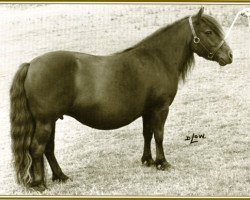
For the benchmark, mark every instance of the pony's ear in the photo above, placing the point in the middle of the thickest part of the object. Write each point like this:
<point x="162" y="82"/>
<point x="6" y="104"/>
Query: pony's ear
<point x="200" y="14"/>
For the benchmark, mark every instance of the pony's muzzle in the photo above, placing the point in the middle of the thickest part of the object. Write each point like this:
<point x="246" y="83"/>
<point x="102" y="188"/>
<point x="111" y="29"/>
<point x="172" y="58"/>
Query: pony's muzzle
<point x="226" y="58"/>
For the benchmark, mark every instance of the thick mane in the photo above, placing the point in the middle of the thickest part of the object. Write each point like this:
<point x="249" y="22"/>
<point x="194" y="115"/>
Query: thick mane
<point x="187" y="62"/>
<point x="186" y="67"/>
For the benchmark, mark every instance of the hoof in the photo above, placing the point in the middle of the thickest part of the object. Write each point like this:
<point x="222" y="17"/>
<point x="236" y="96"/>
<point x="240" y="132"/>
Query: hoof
<point x="39" y="187"/>
<point x="62" y="178"/>
<point x="147" y="161"/>
<point x="162" y="165"/>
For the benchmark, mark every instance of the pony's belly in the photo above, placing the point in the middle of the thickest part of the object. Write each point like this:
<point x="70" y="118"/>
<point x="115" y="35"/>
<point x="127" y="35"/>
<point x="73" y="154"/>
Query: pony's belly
<point x="104" y="119"/>
<point x="104" y="124"/>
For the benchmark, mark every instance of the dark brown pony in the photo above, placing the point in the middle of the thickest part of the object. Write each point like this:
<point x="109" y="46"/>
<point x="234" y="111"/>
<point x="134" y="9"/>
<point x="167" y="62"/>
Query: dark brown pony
<point x="106" y="92"/>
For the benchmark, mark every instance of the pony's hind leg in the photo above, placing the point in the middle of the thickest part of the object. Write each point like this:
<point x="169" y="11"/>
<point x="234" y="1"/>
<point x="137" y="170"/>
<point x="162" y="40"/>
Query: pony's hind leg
<point x="147" y="134"/>
<point x="39" y="141"/>
<point x="50" y="155"/>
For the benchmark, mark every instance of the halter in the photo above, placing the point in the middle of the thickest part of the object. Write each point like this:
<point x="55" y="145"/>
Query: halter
<point x="197" y="40"/>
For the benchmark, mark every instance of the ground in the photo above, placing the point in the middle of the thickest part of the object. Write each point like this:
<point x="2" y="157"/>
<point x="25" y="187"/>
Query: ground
<point x="214" y="101"/>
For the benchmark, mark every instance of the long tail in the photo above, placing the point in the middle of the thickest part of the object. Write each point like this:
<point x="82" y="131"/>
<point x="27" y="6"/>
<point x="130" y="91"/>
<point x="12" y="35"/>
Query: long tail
<point x="22" y="126"/>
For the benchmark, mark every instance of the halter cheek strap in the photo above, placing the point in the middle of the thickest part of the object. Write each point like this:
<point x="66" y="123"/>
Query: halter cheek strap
<point x="197" y="40"/>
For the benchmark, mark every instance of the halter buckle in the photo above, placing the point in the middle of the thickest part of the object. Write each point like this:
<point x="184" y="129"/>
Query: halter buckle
<point x="196" y="40"/>
<point x="210" y="55"/>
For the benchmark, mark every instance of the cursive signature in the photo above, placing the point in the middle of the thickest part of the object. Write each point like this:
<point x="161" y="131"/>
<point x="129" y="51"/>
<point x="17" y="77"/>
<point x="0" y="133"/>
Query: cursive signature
<point x="194" y="138"/>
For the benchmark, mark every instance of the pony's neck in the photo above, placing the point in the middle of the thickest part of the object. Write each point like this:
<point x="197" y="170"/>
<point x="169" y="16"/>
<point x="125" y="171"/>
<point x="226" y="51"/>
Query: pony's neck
<point x="173" y="43"/>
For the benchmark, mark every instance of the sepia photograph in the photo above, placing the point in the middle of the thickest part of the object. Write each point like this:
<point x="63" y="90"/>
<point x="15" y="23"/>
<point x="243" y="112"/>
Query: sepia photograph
<point x="125" y="99"/>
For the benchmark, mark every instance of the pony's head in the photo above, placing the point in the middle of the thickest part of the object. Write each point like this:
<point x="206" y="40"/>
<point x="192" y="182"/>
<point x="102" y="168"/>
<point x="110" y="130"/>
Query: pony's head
<point x="208" y="39"/>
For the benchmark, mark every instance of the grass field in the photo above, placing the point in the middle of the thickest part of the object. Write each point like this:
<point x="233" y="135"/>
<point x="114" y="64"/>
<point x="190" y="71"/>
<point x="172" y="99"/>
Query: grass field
<point x="214" y="101"/>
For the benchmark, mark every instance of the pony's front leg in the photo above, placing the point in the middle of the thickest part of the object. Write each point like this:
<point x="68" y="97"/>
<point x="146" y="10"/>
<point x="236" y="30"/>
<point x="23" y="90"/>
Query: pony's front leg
<point x="147" y="134"/>
<point x="159" y="117"/>
<point x="40" y="139"/>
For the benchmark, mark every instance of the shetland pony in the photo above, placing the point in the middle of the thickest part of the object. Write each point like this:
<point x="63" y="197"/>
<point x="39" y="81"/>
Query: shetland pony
<point x="106" y="92"/>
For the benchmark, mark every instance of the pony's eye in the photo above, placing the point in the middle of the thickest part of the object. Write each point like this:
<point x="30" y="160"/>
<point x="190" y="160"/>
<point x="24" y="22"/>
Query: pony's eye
<point x="208" y="32"/>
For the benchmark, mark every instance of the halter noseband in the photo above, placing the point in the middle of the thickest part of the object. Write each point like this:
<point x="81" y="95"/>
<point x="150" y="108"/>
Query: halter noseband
<point x="198" y="41"/>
